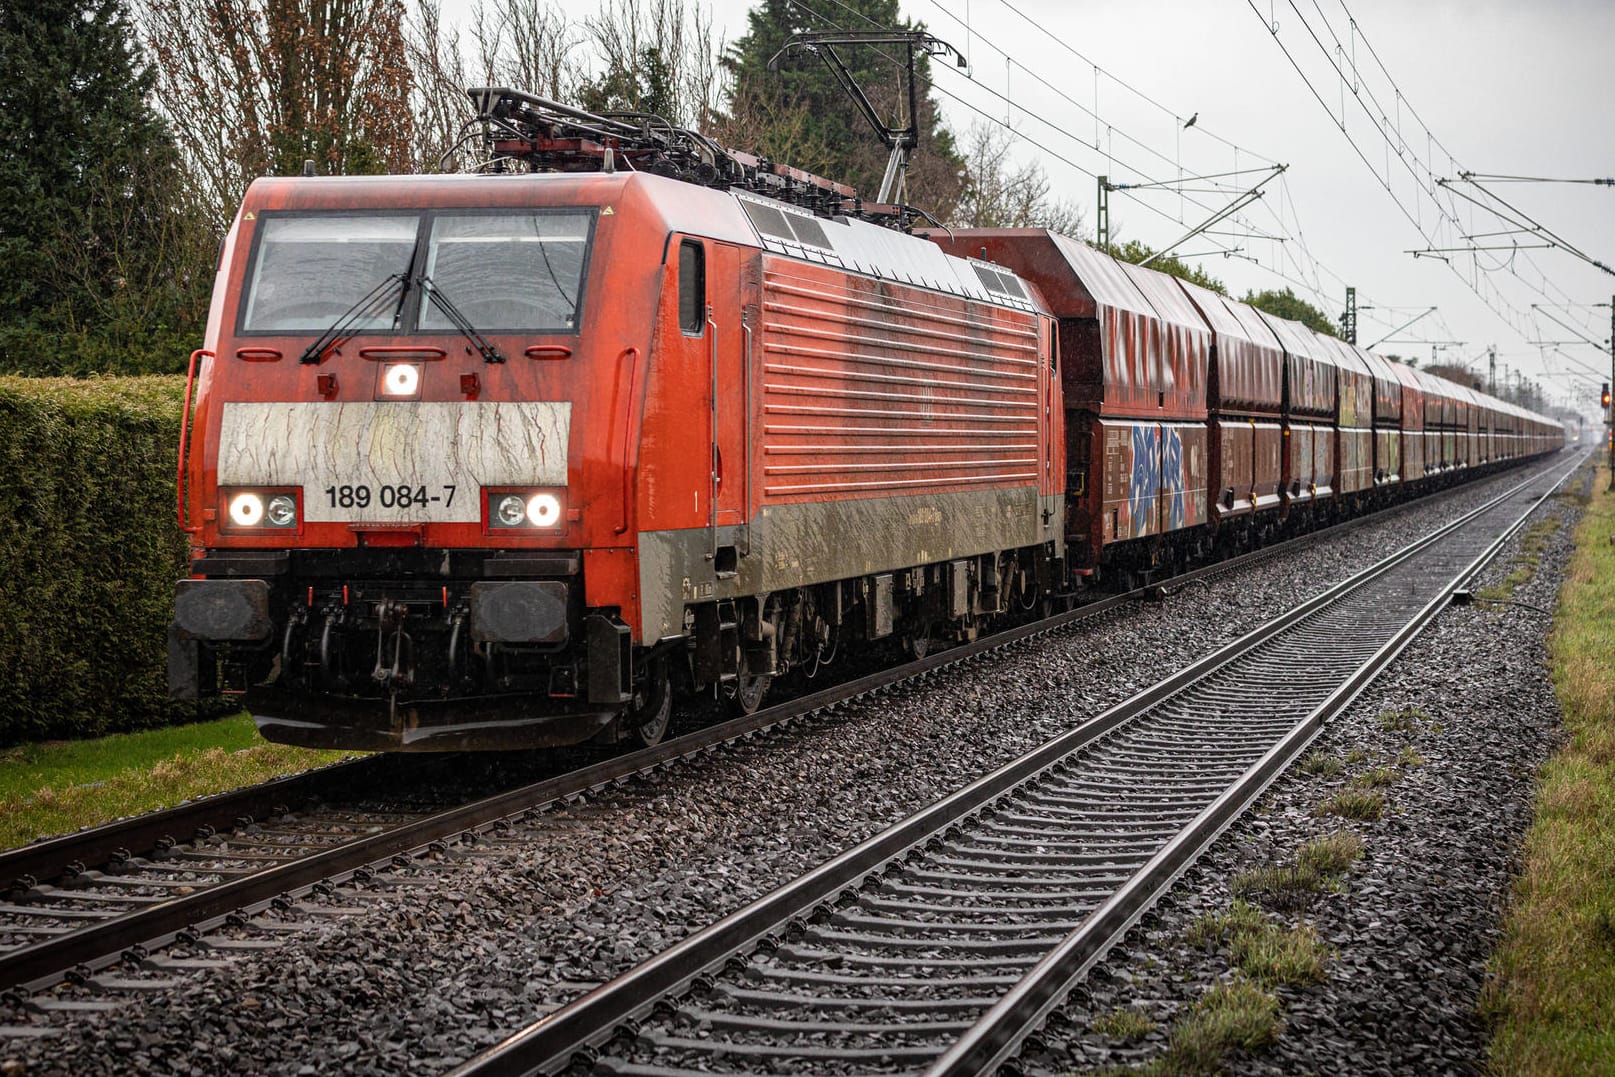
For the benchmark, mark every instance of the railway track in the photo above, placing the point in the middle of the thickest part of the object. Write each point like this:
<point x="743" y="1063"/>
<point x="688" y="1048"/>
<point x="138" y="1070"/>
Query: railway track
<point x="124" y="908"/>
<point x="940" y="944"/>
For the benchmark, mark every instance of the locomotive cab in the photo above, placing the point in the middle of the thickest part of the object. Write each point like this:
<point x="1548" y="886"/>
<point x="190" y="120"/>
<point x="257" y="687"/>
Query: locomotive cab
<point x="410" y="483"/>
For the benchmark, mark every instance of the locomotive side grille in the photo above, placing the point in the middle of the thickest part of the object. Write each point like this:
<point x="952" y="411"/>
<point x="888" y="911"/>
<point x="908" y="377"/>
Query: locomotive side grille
<point x="874" y="387"/>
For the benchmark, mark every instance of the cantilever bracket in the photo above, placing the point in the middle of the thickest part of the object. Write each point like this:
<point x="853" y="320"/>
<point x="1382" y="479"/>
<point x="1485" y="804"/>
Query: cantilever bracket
<point x="900" y="140"/>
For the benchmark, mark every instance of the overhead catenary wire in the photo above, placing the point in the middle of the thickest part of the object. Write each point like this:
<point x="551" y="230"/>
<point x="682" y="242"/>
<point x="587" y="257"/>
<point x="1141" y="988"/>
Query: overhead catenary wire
<point x="1519" y="318"/>
<point x="1293" y="264"/>
<point x="1300" y="281"/>
<point x="1516" y="264"/>
<point x="1313" y="287"/>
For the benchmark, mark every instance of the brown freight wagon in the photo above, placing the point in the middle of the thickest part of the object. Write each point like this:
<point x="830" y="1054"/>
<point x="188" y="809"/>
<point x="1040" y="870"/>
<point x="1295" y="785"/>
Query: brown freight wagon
<point x="1412" y="433"/>
<point x="1134" y="373"/>
<point x="1245" y="423"/>
<point x="1311" y="398"/>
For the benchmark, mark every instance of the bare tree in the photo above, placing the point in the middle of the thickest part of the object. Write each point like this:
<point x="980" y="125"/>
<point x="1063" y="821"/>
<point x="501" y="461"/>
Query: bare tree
<point x="791" y="135"/>
<point x="440" y="103"/>
<point x="256" y="86"/>
<point x="525" y="44"/>
<point x="659" y="57"/>
<point x="1002" y="194"/>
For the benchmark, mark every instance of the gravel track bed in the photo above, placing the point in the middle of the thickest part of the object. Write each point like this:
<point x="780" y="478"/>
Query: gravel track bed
<point x="1413" y="922"/>
<point x="450" y="955"/>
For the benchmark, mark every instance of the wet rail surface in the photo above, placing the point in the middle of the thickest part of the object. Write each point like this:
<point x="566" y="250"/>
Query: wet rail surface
<point x="940" y="944"/>
<point x="125" y="908"/>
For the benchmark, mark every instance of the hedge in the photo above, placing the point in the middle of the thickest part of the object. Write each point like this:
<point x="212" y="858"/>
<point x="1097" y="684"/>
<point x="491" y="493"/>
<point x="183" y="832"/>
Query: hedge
<point x="89" y="552"/>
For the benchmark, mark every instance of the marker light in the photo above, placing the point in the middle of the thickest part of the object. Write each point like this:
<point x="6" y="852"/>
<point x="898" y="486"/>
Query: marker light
<point x="401" y="379"/>
<point x="510" y="511"/>
<point x="282" y="511"/>
<point x="544" y="510"/>
<point x="246" y="510"/>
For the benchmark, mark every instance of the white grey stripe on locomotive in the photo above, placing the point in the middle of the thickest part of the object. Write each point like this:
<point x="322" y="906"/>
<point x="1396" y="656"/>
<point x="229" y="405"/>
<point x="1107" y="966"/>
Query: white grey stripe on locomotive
<point x="446" y="449"/>
<point x="789" y="546"/>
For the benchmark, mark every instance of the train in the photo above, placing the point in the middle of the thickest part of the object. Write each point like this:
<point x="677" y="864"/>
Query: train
<point x="512" y="458"/>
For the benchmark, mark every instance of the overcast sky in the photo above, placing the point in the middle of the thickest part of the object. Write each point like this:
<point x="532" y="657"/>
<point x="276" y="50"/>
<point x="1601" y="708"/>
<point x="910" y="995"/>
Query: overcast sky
<point x="1504" y="87"/>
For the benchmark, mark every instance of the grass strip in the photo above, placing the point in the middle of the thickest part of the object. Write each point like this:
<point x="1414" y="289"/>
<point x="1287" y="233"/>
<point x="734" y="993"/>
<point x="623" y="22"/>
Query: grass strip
<point x="1551" y="998"/>
<point x="61" y="786"/>
<point x="1525" y="562"/>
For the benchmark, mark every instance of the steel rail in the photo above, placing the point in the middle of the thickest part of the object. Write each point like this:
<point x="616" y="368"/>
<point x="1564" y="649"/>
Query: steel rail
<point x="40" y="965"/>
<point x="997" y="1034"/>
<point x="569" y="1035"/>
<point x="47" y="860"/>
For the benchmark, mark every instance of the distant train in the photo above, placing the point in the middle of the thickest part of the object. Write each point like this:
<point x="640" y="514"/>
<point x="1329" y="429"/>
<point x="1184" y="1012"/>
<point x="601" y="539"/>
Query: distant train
<point x="511" y="459"/>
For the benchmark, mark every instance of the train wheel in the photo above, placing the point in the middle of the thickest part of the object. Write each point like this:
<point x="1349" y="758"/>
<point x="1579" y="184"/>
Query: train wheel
<point x="749" y="692"/>
<point x="918" y="642"/>
<point x="652" y="708"/>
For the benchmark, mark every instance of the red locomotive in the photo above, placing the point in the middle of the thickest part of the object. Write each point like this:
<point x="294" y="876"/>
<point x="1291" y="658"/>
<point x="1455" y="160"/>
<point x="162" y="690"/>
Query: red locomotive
<point x="506" y="460"/>
<point x="494" y="460"/>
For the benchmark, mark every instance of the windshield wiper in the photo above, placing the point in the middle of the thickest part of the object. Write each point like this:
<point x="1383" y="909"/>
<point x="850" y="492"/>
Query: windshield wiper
<point x="369" y="305"/>
<point x="489" y="353"/>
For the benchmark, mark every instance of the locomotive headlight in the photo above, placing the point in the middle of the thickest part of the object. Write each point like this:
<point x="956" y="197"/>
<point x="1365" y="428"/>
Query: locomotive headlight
<point x="510" y="511"/>
<point x="246" y="510"/>
<point x="401" y="379"/>
<point x="527" y="509"/>
<point x="543" y="510"/>
<point x="260" y="509"/>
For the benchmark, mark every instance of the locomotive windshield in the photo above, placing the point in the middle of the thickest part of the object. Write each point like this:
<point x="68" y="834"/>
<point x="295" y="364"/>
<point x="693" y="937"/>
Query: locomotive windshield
<point x="508" y="271"/>
<point x="311" y="270"/>
<point x="504" y="271"/>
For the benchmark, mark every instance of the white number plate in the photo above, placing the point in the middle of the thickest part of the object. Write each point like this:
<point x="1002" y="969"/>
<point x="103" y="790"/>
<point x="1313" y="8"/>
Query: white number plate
<point x="394" y="462"/>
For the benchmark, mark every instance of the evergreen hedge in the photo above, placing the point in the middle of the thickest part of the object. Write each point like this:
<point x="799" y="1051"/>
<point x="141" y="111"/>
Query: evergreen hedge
<point x="89" y="552"/>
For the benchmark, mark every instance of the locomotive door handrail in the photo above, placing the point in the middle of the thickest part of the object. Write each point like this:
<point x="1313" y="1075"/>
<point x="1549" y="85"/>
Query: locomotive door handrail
<point x="746" y="457"/>
<point x="181" y="501"/>
<point x="712" y="415"/>
<point x="630" y="443"/>
<point x="378" y="353"/>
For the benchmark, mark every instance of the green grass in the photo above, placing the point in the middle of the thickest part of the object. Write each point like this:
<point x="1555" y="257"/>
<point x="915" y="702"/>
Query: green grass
<point x="1409" y="757"/>
<point x="1551" y="995"/>
<point x="1260" y="947"/>
<point x="1403" y="720"/>
<point x="1376" y="778"/>
<point x="1214" y="927"/>
<point x="60" y="786"/>
<point x="1237" y="1016"/>
<point x="1331" y="854"/>
<point x="1123" y="1023"/>
<point x="1317" y="867"/>
<point x="1525" y="562"/>
<point x="1354" y="804"/>
<point x="1322" y="765"/>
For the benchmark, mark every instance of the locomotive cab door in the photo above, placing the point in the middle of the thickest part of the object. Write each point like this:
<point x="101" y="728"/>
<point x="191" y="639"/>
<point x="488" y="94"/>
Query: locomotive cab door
<point x="719" y="326"/>
<point x="733" y="321"/>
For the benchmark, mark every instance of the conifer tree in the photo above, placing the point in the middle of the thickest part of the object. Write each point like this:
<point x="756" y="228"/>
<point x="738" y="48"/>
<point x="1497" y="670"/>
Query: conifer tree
<point x="96" y="257"/>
